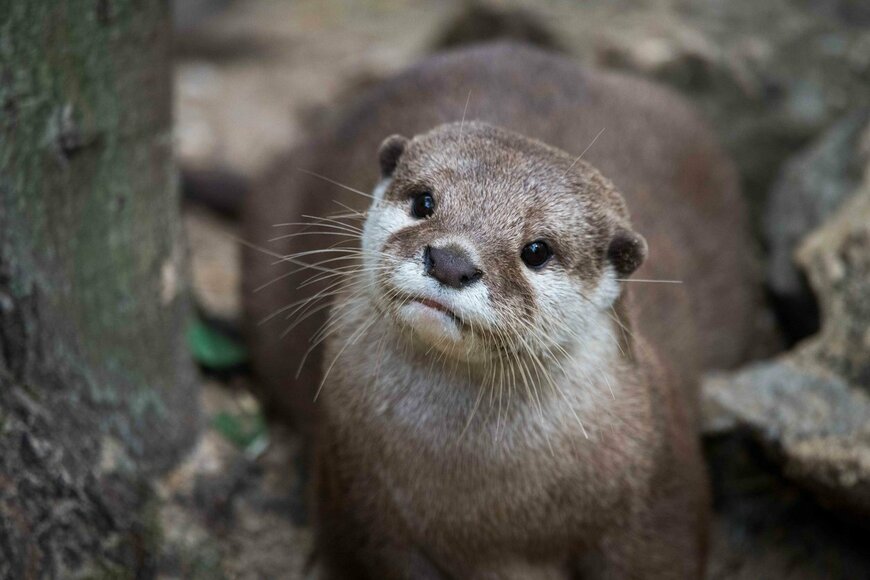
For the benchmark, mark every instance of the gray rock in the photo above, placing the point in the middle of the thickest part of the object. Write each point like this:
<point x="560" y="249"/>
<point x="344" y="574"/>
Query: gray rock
<point x="808" y="418"/>
<point x="770" y="75"/>
<point x="485" y="21"/>
<point x="810" y="188"/>
<point x="766" y="527"/>
<point x="810" y="408"/>
<point x="837" y="261"/>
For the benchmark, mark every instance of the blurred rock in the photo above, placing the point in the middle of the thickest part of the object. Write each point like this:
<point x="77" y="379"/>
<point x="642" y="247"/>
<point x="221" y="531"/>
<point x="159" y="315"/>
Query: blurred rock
<point x="249" y="74"/>
<point x="217" y="189"/>
<point x="809" y="419"/>
<point x="685" y="58"/>
<point x="485" y="21"/>
<point x="810" y="408"/>
<point x="214" y="251"/>
<point x="187" y="14"/>
<point x="770" y="75"/>
<point x="837" y="260"/>
<point x="810" y="188"/>
<point x="766" y="527"/>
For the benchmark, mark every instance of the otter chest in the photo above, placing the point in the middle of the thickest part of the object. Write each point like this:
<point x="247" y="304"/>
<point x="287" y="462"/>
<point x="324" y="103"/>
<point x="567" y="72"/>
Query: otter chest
<point x="479" y="492"/>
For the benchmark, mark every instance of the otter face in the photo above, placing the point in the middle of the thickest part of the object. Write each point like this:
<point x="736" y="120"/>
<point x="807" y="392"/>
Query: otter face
<point x="482" y="242"/>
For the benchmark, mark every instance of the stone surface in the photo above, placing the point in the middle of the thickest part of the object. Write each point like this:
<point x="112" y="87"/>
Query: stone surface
<point x="767" y="527"/>
<point x="809" y="419"/>
<point x="770" y="75"/>
<point x="486" y="21"/>
<point x="837" y="260"/>
<point x="812" y="186"/>
<point x="250" y="77"/>
<point x="214" y="263"/>
<point x="810" y="408"/>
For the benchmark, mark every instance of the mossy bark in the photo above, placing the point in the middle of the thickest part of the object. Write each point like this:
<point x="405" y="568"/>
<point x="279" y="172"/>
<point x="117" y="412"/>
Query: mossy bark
<point x="97" y="392"/>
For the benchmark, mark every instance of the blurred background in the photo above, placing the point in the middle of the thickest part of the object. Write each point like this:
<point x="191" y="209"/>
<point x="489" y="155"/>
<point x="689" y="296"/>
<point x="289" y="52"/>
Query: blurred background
<point x="786" y="86"/>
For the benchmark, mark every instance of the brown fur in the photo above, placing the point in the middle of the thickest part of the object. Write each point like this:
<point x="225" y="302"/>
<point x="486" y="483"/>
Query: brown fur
<point x="400" y="492"/>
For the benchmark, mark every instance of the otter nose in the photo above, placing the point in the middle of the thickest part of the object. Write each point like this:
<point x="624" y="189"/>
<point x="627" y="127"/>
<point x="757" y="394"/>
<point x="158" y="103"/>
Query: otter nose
<point x="450" y="267"/>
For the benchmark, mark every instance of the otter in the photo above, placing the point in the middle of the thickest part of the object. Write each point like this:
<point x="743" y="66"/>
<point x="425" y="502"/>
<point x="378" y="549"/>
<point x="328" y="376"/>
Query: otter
<point x="505" y="383"/>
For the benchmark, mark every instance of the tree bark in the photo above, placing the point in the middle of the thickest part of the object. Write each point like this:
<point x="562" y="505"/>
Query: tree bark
<point x="97" y="392"/>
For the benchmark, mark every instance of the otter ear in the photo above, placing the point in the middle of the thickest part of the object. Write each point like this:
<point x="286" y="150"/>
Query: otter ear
<point x="627" y="251"/>
<point x="388" y="155"/>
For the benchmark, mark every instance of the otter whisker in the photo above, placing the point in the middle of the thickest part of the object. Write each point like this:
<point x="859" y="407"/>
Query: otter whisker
<point x="334" y="182"/>
<point x="353" y="338"/>
<point x="480" y="391"/>
<point x="337" y="271"/>
<point x="345" y="271"/>
<point x="649" y="281"/>
<point x="535" y="383"/>
<point x="588" y="147"/>
<point x="316" y="233"/>
<point x="304" y="310"/>
<point x="331" y="220"/>
<point x="337" y="217"/>
<point x="334" y="224"/>
<point x="327" y="329"/>
<point x="353" y="252"/>
<point x="309" y="266"/>
<point x="319" y="335"/>
<point x="285" y="308"/>
<point x="465" y="110"/>
<point x="529" y="329"/>
<point x="279" y="258"/>
<point x="324" y="293"/>
<point x="316" y="337"/>
<point x="352" y="213"/>
<point x="309" y="312"/>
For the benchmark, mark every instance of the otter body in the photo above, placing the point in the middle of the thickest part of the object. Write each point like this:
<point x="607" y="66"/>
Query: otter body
<point x="499" y="401"/>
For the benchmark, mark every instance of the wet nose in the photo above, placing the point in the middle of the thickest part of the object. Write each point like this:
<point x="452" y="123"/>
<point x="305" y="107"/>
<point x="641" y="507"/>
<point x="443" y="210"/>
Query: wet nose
<point x="450" y="266"/>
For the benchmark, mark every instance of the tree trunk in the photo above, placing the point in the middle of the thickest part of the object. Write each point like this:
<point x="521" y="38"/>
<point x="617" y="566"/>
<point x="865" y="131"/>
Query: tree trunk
<point x="97" y="393"/>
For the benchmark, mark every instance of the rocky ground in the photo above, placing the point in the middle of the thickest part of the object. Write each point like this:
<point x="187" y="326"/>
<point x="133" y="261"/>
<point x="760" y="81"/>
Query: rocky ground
<point x="784" y="83"/>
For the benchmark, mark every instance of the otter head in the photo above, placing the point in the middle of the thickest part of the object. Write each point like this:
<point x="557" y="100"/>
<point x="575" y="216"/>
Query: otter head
<point x="481" y="241"/>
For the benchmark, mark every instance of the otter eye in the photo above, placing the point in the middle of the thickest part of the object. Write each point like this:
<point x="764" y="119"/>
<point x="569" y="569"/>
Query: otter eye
<point x="536" y="254"/>
<point x="423" y="205"/>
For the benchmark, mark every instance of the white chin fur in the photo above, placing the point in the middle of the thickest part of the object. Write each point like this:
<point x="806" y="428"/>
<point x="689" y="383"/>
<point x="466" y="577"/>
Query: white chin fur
<point x="430" y="325"/>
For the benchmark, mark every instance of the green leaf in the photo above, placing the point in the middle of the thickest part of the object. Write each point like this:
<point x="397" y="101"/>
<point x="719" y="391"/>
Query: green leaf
<point x="242" y="429"/>
<point x="214" y="350"/>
